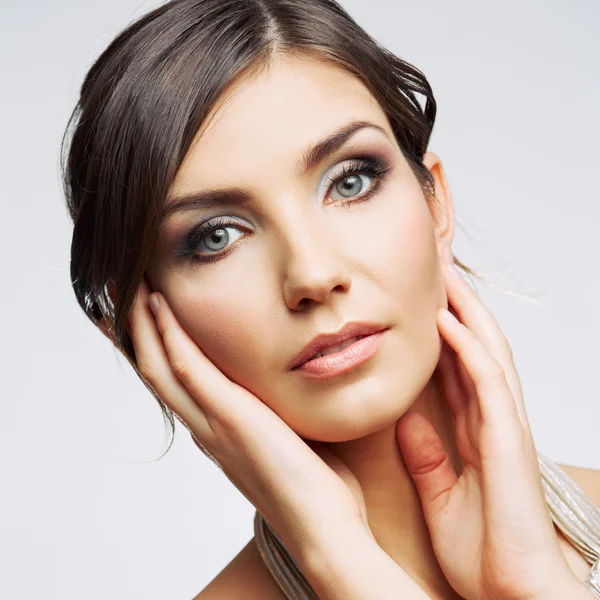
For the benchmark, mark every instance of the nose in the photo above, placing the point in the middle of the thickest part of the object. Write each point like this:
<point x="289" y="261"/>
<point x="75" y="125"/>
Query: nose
<point x="314" y="269"/>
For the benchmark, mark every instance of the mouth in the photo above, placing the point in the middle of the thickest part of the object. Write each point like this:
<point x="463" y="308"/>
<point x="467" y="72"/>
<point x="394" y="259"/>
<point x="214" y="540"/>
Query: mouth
<point x="332" y="354"/>
<point x="336" y="348"/>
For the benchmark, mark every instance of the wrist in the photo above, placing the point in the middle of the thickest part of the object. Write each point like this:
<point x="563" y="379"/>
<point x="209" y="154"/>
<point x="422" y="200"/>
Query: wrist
<point x="326" y="551"/>
<point x="350" y="565"/>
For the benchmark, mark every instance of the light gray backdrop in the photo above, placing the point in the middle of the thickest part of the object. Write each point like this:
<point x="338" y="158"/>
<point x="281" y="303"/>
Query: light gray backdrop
<point x="84" y="513"/>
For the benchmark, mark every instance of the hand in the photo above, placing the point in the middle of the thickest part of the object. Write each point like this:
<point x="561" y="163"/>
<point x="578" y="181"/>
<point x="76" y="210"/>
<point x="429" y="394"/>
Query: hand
<point x="309" y="497"/>
<point x="490" y="527"/>
<point x="300" y="490"/>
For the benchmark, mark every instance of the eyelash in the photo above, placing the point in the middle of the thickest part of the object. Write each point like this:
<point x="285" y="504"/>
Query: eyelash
<point x="377" y="168"/>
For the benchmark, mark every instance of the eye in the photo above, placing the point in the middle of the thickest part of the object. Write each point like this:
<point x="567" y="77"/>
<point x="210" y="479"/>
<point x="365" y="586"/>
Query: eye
<point x="213" y="237"/>
<point x="359" y="180"/>
<point x="218" y="239"/>
<point x="213" y="240"/>
<point x="351" y="185"/>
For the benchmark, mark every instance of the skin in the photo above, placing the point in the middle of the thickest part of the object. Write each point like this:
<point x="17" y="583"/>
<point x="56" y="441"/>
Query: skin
<point x="303" y="265"/>
<point x="308" y="267"/>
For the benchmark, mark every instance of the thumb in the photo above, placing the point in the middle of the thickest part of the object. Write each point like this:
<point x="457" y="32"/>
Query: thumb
<point x="427" y="462"/>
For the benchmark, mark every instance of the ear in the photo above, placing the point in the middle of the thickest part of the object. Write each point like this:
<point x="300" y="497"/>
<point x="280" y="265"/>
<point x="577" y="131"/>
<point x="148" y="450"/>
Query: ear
<point x="442" y="207"/>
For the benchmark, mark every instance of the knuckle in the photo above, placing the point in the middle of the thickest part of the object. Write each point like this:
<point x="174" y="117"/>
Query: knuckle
<point x="145" y="370"/>
<point x="181" y="370"/>
<point x="162" y="328"/>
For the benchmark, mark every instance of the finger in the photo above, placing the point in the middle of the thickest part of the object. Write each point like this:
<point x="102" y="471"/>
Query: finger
<point x="469" y="391"/>
<point x="451" y="386"/>
<point x="473" y="412"/>
<point x="471" y="400"/>
<point x="154" y="366"/>
<point x="427" y="462"/>
<point x="209" y="387"/>
<point x="464" y="378"/>
<point x="495" y="400"/>
<point x="473" y="313"/>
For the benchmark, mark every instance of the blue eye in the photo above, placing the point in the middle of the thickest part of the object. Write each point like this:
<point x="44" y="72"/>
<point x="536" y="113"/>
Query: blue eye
<point x="214" y="237"/>
<point x="373" y="168"/>
<point x="218" y="239"/>
<point x="351" y="186"/>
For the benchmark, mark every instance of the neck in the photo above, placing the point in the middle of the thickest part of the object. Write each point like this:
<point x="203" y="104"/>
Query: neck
<point x="393" y="504"/>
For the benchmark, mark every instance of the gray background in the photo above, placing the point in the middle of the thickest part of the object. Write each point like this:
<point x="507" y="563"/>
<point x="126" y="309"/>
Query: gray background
<point x="84" y="512"/>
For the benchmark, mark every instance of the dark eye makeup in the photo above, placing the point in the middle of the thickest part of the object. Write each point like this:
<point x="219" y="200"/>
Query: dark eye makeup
<point x="374" y="166"/>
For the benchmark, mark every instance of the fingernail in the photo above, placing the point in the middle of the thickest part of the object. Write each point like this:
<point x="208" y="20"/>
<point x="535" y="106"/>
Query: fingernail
<point x="153" y="302"/>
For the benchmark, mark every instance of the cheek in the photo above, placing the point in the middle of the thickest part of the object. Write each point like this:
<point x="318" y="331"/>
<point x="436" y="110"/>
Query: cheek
<point x="414" y="278"/>
<point x="415" y="269"/>
<point x="399" y="250"/>
<point x="223" y="327"/>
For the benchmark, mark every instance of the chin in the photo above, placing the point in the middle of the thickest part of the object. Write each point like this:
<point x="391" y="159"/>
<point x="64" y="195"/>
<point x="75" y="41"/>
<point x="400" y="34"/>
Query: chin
<point x="357" y="410"/>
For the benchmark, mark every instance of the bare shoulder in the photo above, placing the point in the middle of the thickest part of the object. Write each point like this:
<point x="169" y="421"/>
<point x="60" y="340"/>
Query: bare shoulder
<point x="587" y="479"/>
<point x="245" y="578"/>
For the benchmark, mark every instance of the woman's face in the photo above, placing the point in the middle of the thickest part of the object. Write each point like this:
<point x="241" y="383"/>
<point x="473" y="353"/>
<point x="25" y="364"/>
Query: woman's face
<point x="306" y="252"/>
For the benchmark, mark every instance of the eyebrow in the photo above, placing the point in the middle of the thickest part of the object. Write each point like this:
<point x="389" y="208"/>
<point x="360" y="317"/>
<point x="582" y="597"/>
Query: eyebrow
<point x="309" y="161"/>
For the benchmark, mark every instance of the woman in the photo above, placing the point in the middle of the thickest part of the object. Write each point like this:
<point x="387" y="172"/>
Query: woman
<point x="259" y="228"/>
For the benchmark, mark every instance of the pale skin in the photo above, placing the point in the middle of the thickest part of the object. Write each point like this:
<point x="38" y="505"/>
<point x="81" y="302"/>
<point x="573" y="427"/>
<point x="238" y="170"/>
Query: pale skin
<point x="299" y="263"/>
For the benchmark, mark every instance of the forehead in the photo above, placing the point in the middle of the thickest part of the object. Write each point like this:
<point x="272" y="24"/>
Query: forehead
<point x="265" y="120"/>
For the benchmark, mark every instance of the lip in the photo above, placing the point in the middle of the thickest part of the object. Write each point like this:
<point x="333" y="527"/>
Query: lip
<point x="325" y="340"/>
<point x="344" y="360"/>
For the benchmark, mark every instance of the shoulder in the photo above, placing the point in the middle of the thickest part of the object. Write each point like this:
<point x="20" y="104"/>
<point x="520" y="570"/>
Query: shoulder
<point x="246" y="577"/>
<point x="587" y="479"/>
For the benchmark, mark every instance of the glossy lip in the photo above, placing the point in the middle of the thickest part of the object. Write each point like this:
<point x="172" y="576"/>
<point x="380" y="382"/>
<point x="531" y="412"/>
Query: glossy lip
<point x="325" y="340"/>
<point x="344" y="360"/>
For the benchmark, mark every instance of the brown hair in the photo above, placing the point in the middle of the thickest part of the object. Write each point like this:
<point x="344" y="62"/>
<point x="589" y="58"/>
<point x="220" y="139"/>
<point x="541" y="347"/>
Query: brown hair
<point x="146" y="96"/>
